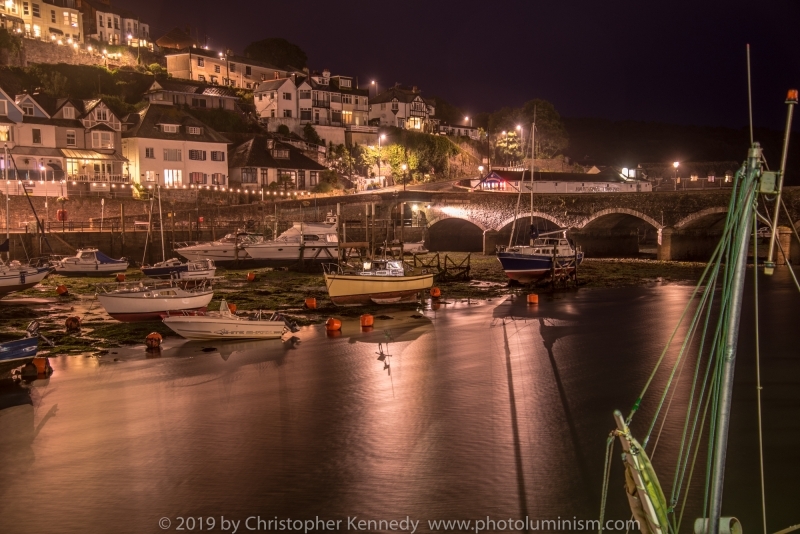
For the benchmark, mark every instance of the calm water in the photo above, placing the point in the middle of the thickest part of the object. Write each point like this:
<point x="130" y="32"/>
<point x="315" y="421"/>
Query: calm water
<point x="490" y="409"/>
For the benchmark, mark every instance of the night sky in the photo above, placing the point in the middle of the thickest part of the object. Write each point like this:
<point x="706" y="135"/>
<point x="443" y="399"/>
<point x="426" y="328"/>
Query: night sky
<point x="679" y="62"/>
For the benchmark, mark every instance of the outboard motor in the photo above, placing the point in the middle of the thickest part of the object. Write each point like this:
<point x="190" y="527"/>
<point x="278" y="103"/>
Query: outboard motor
<point x="292" y="326"/>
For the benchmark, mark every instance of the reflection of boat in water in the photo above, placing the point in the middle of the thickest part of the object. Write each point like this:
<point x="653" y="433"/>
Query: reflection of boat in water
<point x="90" y="261"/>
<point x="15" y="276"/>
<point x="229" y="248"/>
<point x="378" y="281"/>
<point x="226" y="325"/>
<point x="17" y="353"/>
<point x="303" y="241"/>
<point x="242" y="350"/>
<point x="175" y="268"/>
<point x="143" y="301"/>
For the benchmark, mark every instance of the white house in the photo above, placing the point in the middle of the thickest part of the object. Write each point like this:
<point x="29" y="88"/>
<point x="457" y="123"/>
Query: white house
<point x="58" y="21"/>
<point x="111" y="24"/>
<point x="221" y="68"/>
<point x="194" y="94"/>
<point x="459" y="131"/>
<point x="166" y="146"/>
<point x="606" y="181"/>
<point x="277" y="98"/>
<point x="402" y="107"/>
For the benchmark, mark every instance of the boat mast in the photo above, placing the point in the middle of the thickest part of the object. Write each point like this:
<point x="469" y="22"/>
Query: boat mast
<point x="533" y="165"/>
<point x="729" y="354"/>
<point x="161" y="225"/>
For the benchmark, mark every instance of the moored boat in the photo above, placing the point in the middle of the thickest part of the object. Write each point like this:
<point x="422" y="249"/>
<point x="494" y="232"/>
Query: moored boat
<point x="228" y="249"/>
<point x="90" y="261"/>
<point x="175" y="268"/>
<point x="545" y="255"/>
<point x="226" y="325"/>
<point x="378" y="281"/>
<point x="303" y="241"/>
<point x="20" y="352"/>
<point x="144" y="301"/>
<point x="15" y="276"/>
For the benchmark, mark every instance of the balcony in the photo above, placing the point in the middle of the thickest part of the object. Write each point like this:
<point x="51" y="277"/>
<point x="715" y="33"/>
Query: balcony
<point x="100" y="178"/>
<point x="320" y="103"/>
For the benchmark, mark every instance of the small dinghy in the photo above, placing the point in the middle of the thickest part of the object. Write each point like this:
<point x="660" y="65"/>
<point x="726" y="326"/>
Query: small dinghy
<point x="145" y="301"/>
<point x="90" y="261"/>
<point x="175" y="268"/>
<point x="226" y="325"/>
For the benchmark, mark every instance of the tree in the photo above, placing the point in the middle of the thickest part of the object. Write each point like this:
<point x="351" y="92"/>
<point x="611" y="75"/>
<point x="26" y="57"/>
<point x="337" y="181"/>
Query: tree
<point x="278" y="52"/>
<point x="310" y="134"/>
<point x="551" y="136"/>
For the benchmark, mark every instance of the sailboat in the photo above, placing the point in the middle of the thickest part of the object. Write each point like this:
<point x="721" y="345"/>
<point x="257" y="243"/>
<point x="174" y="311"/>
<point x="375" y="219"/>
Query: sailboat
<point x="546" y="254"/>
<point x="710" y="331"/>
<point x="16" y="276"/>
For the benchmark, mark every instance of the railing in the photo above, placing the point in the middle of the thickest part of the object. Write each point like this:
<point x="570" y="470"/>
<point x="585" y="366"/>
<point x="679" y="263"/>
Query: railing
<point x="100" y="178"/>
<point x="320" y="104"/>
<point x="361" y="128"/>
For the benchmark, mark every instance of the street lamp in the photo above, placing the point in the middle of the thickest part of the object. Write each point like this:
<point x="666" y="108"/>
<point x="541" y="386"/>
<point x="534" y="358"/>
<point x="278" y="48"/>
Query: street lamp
<point x="404" y="167"/>
<point x="676" y="164"/>
<point x="468" y="119"/>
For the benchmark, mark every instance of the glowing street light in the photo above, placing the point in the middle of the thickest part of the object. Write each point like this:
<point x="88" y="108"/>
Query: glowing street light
<point x="676" y="164"/>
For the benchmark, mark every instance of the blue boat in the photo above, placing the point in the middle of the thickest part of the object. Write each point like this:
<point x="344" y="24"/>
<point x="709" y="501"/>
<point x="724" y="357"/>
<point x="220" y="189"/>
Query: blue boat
<point x="545" y="255"/>
<point x="17" y="353"/>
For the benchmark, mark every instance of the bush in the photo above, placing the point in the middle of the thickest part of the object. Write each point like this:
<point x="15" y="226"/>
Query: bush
<point x="323" y="187"/>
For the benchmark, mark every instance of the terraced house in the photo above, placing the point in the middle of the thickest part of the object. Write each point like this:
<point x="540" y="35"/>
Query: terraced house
<point x="52" y="143"/>
<point x="58" y="21"/>
<point x="221" y="68"/>
<point x="111" y="24"/>
<point x="166" y="146"/>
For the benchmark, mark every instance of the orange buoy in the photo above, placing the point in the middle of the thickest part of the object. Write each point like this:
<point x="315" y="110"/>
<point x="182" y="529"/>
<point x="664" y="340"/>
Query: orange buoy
<point x="311" y="303"/>
<point x="367" y="320"/>
<point x="120" y="277"/>
<point x="251" y="277"/>
<point x="153" y="341"/>
<point x="73" y="324"/>
<point x="436" y="292"/>
<point x="232" y="307"/>
<point x="42" y="365"/>
<point x="533" y="298"/>
<point x="62" y="290"/>
<point x="332" y="325"/>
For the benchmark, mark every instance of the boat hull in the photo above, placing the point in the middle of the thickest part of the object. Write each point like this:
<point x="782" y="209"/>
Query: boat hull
<point x="17" y="353"/>
<point x="19" y="281"/>
<point x="218" y="328"/>
<point x="130" y="307"/>
<point x="89" y="269"/>
<point x="288" y="253"/>
<point x="220" y="254"/>
<point x="532" y="267"/>
<point x="182" y="272"/>
<point x="344" y="289"/>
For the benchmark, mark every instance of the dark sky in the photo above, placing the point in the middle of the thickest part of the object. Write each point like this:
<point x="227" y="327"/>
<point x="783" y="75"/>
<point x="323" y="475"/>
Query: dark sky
<point x="677" y="61"/>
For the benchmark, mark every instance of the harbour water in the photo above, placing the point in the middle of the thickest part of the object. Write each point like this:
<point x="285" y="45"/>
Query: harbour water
<point x="495" y="409"/>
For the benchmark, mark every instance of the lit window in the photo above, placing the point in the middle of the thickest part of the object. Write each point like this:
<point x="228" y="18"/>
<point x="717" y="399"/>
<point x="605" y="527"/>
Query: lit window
<point x="201" y="62"/>
<point x="102" y="140"/>
<point x="172" y="177"/>
<point x="149" y="176"/>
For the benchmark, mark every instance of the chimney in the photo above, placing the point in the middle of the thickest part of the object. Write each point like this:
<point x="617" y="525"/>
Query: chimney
<point x="414" y="89"/>
<point x="326" y="73"/>
<point x="270" y="143"/>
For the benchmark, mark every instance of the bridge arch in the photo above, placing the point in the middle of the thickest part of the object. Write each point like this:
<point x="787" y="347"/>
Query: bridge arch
<point x="437" y="214"/>
<point x="715" y="214"/>
<point x="620" y="211"/>
<point x="527" y="215"/>
<point x="454" y="234"/>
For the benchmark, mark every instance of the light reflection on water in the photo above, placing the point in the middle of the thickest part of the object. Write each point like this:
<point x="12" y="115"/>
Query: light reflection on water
<point x="317" y="426"/>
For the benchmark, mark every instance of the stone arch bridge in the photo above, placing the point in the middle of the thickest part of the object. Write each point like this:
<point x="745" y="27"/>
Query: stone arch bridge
<point x="673" y="225"/>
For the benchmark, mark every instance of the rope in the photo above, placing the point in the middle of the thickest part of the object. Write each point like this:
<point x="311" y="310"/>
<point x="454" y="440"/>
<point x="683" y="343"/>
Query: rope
<point x="606" y="479"/>
<point x="758" y="371"/>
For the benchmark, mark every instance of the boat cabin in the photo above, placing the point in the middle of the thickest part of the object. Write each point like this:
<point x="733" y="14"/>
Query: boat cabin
<point x="382" y="268"/>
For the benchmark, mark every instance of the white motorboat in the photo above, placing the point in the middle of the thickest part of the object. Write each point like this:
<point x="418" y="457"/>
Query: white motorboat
<point x="303" y="241"/>
<point x="143" y="301"/>
<point x="15" y="276"/>
<point x="229" y="248"/>
<point x="89" y="261"/>
<point x="226" y="325"/>
<point x="416" y="247"/>
<point x="175" y="268"/>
